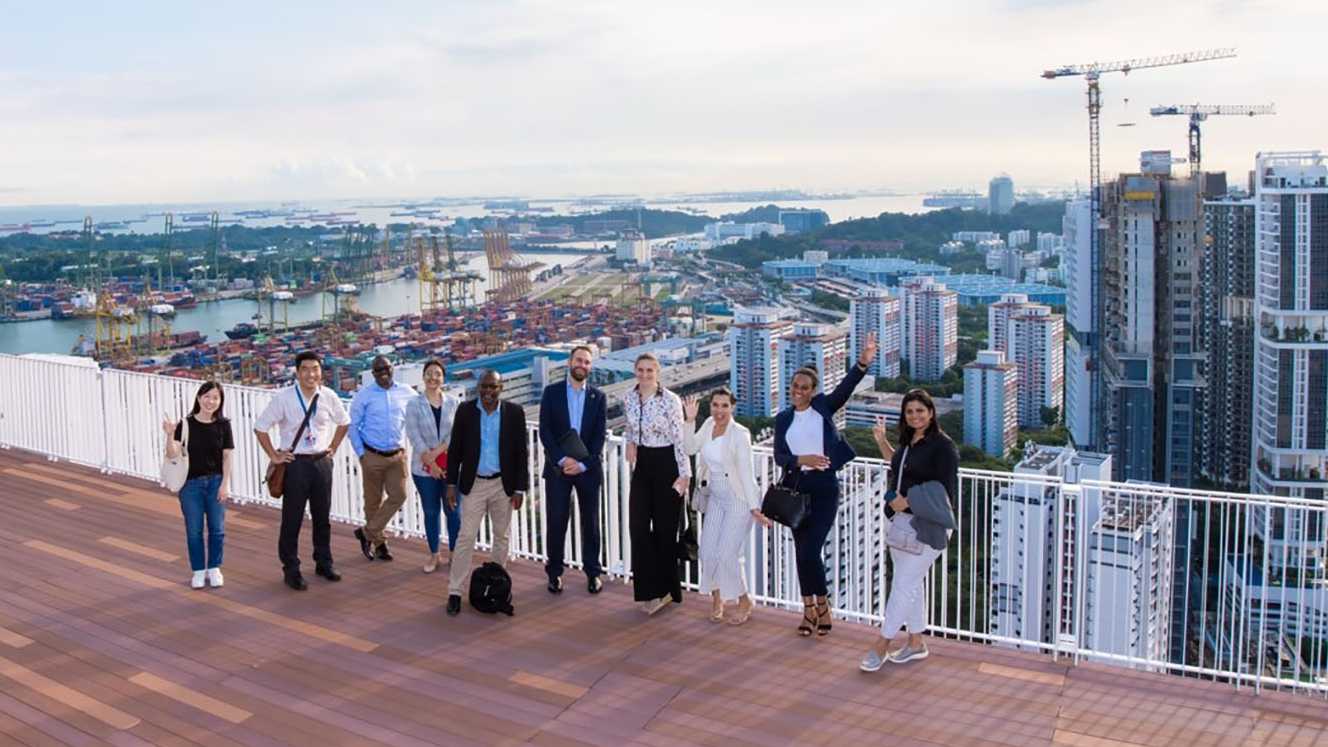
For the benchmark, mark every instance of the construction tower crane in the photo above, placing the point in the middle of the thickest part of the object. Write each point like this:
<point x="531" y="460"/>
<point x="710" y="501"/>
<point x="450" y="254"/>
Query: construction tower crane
<point x="1198" y="113"/>
<point x="165" y="262"/>
<point x="1092" y="72"/>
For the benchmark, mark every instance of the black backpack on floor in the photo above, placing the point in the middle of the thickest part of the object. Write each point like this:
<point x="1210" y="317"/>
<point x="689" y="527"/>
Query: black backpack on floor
<point x="491" y="589"/>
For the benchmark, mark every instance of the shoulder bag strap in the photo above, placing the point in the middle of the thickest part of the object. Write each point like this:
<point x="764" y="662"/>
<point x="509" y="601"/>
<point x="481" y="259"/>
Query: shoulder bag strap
<point x="313" y="403"/>
<point x="899" y="479"/>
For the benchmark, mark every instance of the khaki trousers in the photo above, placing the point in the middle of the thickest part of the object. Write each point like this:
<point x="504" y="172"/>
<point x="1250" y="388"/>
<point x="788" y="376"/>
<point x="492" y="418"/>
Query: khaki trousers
<point x="486" y="498"/>
<point x="382" y="473"/>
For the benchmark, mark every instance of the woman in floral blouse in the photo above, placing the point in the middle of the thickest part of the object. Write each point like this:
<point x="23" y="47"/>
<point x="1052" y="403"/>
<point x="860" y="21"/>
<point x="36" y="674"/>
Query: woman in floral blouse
<point x="660" y="475"/>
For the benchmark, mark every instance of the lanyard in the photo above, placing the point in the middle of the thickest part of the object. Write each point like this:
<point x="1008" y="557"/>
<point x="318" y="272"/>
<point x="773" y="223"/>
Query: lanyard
<point x="303" y="407"/>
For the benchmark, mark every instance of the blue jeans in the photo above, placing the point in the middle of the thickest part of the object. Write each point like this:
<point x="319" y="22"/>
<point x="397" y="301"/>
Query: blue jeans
<point x="198" y="499"/>
<point x="432" y="493"/>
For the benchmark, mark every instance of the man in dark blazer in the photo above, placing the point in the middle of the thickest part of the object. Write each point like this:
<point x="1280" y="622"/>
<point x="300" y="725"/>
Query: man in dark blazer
<point x="573" y="405"/>
<point x="488" y="464"/>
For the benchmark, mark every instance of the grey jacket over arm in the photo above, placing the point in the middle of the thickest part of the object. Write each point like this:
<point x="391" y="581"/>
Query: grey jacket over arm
<point x="932" y="514"/>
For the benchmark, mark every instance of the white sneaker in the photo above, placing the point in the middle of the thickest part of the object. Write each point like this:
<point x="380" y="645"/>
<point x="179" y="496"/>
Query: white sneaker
<point x="214" y="578"/>
<point x="197" y="582"/>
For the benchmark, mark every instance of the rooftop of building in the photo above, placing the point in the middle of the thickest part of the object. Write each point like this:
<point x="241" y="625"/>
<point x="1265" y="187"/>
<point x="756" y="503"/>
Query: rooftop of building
<point x="104" y="643"/>
<point x="510" y="361"/>
<point x="972" y="284"/>
<point x="889" y="264"/>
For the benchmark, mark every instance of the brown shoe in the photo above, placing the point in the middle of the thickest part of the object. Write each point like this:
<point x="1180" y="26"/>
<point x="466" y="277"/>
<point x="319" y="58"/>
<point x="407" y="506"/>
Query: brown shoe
<point x="431" y="564"/>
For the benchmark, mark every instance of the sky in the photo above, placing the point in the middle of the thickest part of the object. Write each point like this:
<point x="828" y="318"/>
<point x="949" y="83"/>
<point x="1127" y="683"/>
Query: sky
<point x="179" y="102"/>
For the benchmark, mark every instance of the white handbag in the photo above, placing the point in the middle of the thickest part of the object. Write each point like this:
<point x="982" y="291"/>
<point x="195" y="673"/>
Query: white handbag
<point x="900" y="533"/>
<point x="175" y="472"/>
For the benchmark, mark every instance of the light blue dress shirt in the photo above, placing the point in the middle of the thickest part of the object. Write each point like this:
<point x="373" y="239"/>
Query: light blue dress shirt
<point x="490" y="431"/>
<point x="576" y="406"/>
<point x="378" y="417"/>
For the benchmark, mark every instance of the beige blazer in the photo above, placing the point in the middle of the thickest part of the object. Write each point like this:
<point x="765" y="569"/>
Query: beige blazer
<point x="740" y="473"/>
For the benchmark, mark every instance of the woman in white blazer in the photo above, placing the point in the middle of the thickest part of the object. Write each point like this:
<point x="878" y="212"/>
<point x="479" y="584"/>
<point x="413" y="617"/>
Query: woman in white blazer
<point x="726" y="493"/>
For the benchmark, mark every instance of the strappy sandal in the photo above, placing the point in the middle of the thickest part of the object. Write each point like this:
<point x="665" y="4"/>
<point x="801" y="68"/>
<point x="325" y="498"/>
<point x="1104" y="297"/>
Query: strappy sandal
<point x="823" y="613"/>
<point x="717" y="615"/>
<point x="742" y="616"/>
<point x="808" y="624"/>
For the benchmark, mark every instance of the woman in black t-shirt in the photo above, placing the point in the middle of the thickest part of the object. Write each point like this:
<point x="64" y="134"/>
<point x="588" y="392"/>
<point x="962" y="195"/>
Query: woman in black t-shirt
<point x="209" y="443"/>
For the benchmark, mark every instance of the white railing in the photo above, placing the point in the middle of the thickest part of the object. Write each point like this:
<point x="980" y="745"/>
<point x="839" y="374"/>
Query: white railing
<point x="1080" y="571"/>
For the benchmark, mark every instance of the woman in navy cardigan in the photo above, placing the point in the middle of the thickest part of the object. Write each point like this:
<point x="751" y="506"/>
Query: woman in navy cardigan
<point x="811" y="451"/>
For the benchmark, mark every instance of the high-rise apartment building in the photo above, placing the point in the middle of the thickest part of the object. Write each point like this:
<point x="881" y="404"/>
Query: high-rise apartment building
<point x="1036" y="344"/>
<point x="1081" y="340"/>
<point x="633" y="247"/>
<point x="1000" y="195"/>
<point x="998" y="319"/>
<point x="1226" y="331"/>
<point x="1034" y="557"/>
<point x="754" y="353"/>
<point x="1290" y="427"/>
<point x="991" y="403"/>
<point x="876" y="310"/>
<point x="823" y="347"/>
<point x="1128" y="575"/>
<point x="1018" y="238"/>
<point x="931" y="329"/>
<point x="1152" y="384"/>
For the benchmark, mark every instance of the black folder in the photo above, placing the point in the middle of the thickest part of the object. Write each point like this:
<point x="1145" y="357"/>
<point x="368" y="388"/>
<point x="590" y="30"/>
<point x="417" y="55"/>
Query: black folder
<point x="573" y="446"/>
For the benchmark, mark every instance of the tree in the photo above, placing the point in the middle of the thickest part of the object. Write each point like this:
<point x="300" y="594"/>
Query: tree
<point x="1050" y="416"/>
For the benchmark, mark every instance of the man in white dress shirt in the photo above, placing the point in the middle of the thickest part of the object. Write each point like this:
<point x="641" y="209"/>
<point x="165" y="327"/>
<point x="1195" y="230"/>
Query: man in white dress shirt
<point x="308" y="463"/>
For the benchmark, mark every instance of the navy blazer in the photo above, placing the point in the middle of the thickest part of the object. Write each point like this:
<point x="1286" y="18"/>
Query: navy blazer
<point x="555" y="422"/>
<point x="463" y="450"/>
<point x="836" y="448"/>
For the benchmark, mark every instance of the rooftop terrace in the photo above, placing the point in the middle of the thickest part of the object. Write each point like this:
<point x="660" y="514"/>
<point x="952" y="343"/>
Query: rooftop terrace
<point x="102" y="642"/>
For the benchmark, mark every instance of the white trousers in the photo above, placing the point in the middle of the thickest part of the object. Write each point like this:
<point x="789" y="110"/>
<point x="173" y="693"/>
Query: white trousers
<point x="727" y="525"/>
<point x="907" y="603"/>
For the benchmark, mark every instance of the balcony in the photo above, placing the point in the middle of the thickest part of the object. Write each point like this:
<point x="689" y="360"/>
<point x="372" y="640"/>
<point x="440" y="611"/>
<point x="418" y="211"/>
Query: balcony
<point x="104" y="643"/>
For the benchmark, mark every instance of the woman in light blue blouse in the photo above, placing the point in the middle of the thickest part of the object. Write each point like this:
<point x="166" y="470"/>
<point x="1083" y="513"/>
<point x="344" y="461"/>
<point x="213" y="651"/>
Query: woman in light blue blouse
<point x="429" y="428"/>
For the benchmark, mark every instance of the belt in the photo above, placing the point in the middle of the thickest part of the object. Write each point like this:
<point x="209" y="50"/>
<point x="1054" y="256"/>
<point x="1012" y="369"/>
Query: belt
<point x="314" y="456"/>
<point x="388" y="453"/>
<point x="494" y="476"/>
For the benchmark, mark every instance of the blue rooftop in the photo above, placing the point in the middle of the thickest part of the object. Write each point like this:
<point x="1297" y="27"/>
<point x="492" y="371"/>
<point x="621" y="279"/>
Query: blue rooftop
<point x="978" y="289"/>
<point x="890" y="264"/>
<point x="509" y="362"/>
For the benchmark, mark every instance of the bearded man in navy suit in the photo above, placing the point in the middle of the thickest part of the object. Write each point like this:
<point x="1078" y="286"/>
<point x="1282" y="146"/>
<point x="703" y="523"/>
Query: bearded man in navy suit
<point x="573" y="406"/>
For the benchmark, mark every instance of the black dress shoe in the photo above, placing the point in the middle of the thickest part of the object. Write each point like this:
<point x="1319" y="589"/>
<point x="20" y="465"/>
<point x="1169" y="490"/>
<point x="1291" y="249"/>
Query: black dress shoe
<point x="328" y="572"/>
<point x="453" y="605"/>
<point x="296" y="581"/>
<point x="364" y="544"/>
<point x="556" y="585"/>
<point x="382" y="553"/>
<point x="594" y="585"/>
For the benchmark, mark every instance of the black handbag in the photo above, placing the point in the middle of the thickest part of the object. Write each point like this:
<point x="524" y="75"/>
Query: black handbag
<point x="688" y="548"/>
<point x="785" y="504"/>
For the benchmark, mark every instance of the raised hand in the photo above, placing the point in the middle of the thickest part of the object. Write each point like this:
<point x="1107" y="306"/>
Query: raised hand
<point x="868" y="353"/>
<point x="168" y="427"/>
<point x="690" y="407"/>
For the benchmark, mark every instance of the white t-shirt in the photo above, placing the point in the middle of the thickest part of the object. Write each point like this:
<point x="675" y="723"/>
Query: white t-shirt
<point x="713" y="453"/>
<point x="285" y="410"/>
<point x="806" y="435"/>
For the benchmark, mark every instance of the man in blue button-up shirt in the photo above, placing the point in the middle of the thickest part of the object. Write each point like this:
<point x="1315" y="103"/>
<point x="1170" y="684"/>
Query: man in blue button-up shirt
<point x="378" y="433"/>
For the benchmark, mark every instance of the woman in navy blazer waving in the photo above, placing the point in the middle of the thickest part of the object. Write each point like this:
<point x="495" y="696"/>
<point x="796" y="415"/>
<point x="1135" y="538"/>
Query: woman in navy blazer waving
<point x="811" y="451"/>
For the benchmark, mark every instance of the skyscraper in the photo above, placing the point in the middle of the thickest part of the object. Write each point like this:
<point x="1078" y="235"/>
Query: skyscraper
<point x="875" y="310"/>
<point x="1081" y="341"/>
<point x="754" y="350"/>
<point x="824" y="347"/>
<point x="1036" y="343"/>
<point x="991" y="403"/>
<point x="1226" y="331"/>
<point x="1000" y="195"/>
<point x="1151" y="364"/>
<point x="1290" y="428"/>
<point x="931" y="329"/>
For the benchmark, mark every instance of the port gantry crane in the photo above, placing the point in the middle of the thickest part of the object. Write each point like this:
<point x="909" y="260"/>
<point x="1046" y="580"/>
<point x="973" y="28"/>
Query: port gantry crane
<point x="443" y="286"/>
<point x="1199" y="112"/>
<point x="1092" y="73"/>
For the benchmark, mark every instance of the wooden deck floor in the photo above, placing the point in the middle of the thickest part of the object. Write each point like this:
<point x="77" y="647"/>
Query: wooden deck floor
<point x="103" y="642"/>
